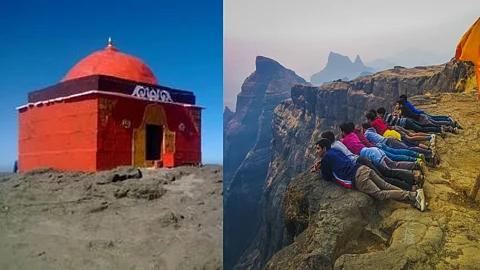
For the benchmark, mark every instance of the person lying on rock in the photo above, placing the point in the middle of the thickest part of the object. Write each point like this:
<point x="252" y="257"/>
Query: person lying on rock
<point x="357" y="130"/>
<point x="401" y="123"/>
<point x="432" y="117"/>
<point x="372" y="116"/>
<point x="397" y="177"/>
<point x="336" y="166"/>
<point x="406" y="112"/>
<point x="396" y="154"/>
<point x="353" y="143"/>
<point x="392" y="145"/>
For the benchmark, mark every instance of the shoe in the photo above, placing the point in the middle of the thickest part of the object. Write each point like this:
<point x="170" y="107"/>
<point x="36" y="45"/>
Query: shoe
<point x="421" y="181"/>
<point x="455" y="130"/>
<point x="437" y="157"/>
<point x="422" y="168"/>
<point x="422" y="158"/>
<point x="432" y="140"/>
<point x="420" y="200"/>
<point x="458" y="125"/>
<point x="442" y="132"/>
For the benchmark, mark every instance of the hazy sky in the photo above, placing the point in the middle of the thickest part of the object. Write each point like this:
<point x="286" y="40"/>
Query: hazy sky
<point x="300" y="34"/>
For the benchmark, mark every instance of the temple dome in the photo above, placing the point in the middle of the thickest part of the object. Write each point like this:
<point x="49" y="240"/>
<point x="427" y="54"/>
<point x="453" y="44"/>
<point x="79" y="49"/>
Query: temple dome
<point x="112" y="62"/>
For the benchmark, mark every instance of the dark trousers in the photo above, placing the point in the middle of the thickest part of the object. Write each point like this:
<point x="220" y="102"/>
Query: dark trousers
<point x="419" y="127"/>
<point x="396" y="144"/>
<point x="400" y="178"/>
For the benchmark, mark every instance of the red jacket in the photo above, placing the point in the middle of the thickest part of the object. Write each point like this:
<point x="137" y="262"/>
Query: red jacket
<point x="379" y="126"/>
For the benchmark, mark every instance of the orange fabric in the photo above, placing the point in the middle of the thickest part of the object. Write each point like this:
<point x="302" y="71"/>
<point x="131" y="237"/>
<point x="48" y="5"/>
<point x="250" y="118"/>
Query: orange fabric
<point x="468" y="49"/>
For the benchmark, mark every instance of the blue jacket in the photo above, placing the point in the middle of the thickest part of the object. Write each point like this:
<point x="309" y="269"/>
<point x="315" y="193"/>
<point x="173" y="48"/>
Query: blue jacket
<point x="374" y="137"/>
<point x="335" y="165"/>
<point x="413" y="108"/>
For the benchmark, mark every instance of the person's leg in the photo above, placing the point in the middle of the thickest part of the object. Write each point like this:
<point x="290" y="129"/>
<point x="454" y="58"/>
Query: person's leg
<point x="364" y="183"/>
<point x="399" y="145"/>
<point x="399" y="157"/>
<point x="403" y="175"/>
<point x="405" y="165"/>
<point x="441" y="123"/>
<point x="417" y="127"/>
<point x="400" y="130"/>
<point x="408" y="142"/>
<point x="425" y="120"/>
<point x="410" y="138"/>
<point x="398" y="148"/>
<point x="439" y="117"/>
<point x="400" y="178"/>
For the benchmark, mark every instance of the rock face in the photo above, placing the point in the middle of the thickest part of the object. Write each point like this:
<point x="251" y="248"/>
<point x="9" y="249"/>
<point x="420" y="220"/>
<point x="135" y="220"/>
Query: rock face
<point x="227" y="115"/>
<point x="338" y="67"/>
<point x="297" y="125"/>
<point x="247" y="151"/>
<point x="341" y="228"/>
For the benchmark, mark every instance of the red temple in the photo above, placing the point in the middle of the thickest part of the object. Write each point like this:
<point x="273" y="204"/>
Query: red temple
<point x="109" y="111"/>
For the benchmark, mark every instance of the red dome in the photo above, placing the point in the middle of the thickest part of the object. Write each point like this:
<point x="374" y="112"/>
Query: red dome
<point x="111" y="62"/>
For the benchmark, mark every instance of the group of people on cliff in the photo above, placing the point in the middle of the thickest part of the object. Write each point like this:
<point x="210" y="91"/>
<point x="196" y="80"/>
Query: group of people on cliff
<point x="385" y="157"/>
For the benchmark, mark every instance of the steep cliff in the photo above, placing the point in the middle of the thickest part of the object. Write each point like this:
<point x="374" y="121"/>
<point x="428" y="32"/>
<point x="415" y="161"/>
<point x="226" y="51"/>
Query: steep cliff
<point x="298" y="122"/>
<point x="227" y="115"/>
<point x="247" y="151"/>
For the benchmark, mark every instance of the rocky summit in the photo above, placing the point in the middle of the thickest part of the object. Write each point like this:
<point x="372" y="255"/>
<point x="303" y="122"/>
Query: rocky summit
<point x="340" y="67"/>
<point x="247" y="136"/>
<point x="307" y="223"/>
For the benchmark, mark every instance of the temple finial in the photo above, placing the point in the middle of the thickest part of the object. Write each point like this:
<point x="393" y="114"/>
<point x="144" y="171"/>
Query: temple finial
<point x="109" y="44"/>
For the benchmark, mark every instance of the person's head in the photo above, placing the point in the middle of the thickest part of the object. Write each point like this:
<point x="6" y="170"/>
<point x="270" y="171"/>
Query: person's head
<point x="373" y="111"/>
<point x="381" y="111"/>
<point x="401" y="102"/>
<point x="404" y="97"/>
<point x="322" y="146"/>
<point x="345" y="129"/>
<point x="351" y="126"/>
<point x="365" y="126"/>
<point x="329" y="136"/>
<point x="370" y="116"/>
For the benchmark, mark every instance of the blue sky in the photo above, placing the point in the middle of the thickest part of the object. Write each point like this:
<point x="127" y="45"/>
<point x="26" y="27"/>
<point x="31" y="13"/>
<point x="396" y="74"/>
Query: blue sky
<point x="181" y="41"/>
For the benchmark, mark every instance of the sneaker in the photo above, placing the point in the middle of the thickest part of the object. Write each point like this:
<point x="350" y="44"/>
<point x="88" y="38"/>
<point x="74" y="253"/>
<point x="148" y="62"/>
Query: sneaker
<point x="432" y="140"/>
<point x="420" y="200"/>
<point x="422" y="158"/>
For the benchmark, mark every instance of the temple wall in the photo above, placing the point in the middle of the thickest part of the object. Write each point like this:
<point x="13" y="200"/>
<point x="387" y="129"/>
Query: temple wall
<point x="62" y="135"/>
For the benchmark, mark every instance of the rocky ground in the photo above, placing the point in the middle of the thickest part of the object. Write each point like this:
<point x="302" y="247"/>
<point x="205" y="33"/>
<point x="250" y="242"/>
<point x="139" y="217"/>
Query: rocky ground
<point x="120" y="219"/>
<point x="336" y="228"/>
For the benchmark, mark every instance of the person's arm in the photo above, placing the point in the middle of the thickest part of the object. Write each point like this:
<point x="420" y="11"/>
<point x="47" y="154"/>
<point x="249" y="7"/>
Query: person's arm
<point x="326" y="169"/>
<point x="315" y="167"/>
<point x="414" y="110"/>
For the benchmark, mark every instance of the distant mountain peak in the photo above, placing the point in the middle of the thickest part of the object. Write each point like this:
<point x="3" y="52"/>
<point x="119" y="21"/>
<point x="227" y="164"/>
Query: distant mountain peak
<point x="338" y="59"/>
<point x="265" y="64"/>
<point x="358" y="60"/>
<point x="339" y="66"/>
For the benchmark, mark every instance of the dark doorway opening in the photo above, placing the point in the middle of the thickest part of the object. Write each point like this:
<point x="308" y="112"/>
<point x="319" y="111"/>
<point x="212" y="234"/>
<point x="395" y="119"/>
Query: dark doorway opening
<point x="154" y="137"/>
